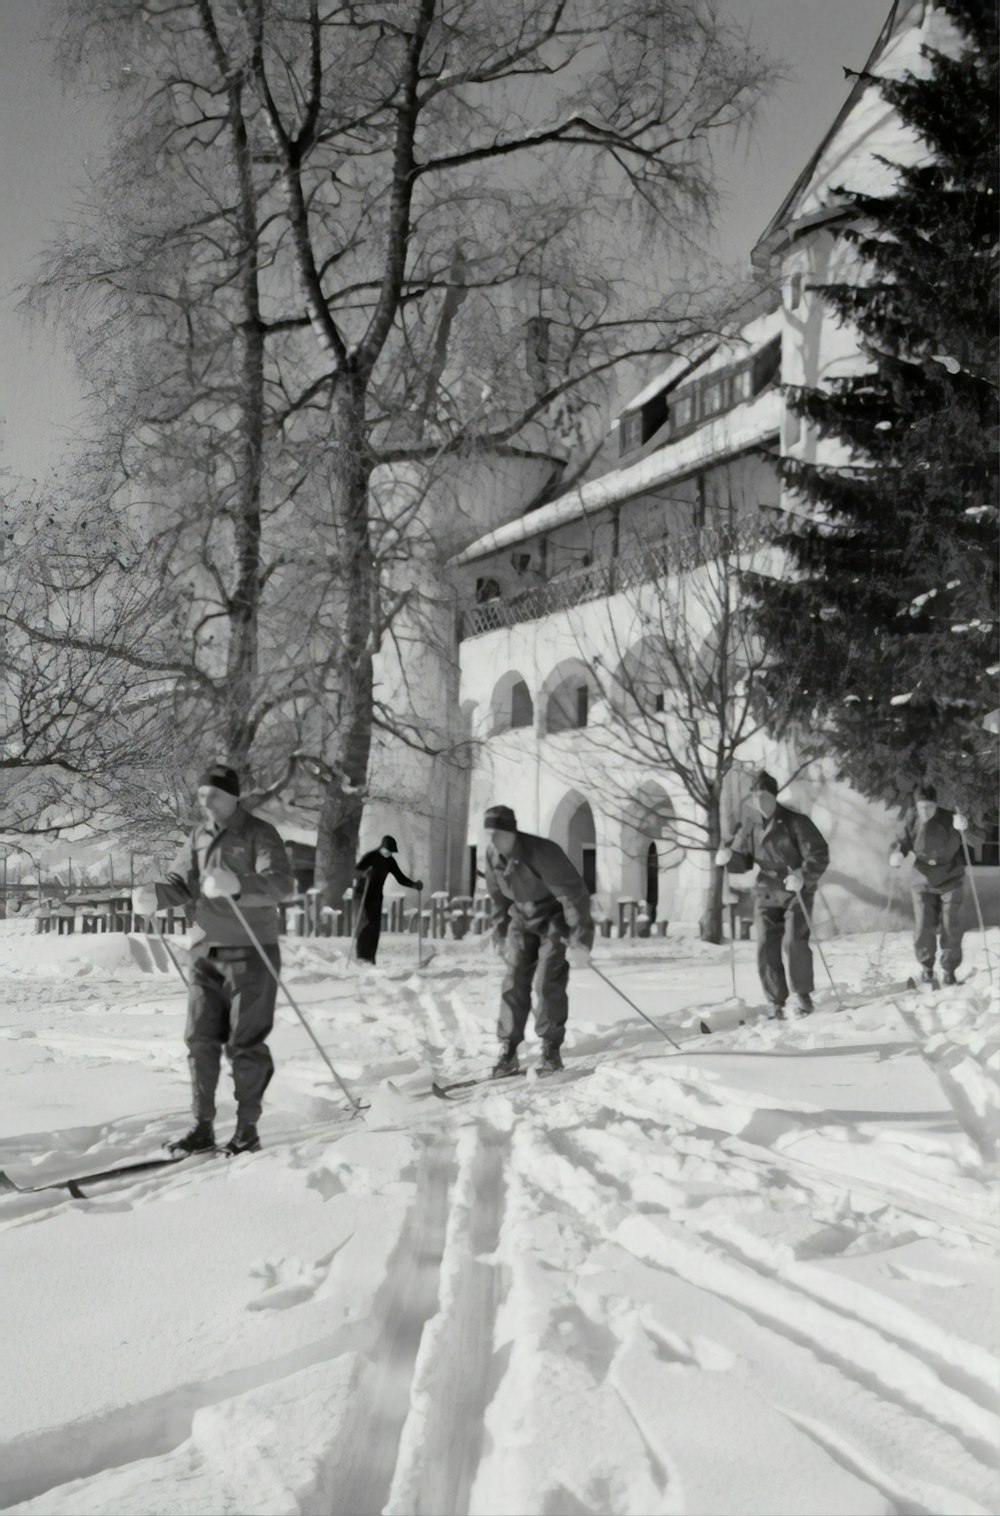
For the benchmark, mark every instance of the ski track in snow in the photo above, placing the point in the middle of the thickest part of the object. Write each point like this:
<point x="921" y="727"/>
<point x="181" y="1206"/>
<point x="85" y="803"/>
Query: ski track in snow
<point x="662" y="1288"/>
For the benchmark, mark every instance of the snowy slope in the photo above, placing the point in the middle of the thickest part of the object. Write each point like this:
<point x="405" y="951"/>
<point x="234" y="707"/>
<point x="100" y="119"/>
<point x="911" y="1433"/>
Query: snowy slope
<point x="754" y="1275"/>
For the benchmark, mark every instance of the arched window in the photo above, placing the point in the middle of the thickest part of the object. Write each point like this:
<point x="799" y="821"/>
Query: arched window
<point x="511" y="705"/>
<point x="522" y="711"/>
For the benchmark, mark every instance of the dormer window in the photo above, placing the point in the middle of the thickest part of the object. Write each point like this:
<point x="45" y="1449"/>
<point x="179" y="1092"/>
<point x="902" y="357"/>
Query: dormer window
<point x="636" y="427"/>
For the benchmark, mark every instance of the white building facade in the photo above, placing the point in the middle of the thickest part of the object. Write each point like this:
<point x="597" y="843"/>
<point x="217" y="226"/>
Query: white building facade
<point x="550" y="599"/>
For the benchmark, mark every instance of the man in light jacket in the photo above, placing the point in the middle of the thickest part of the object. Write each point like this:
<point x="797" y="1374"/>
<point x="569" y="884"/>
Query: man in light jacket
<point x="230" y="856"/>
<point x="541" y="908"/>
<point x="791" y="855"/>
<point x="934" y="837"/>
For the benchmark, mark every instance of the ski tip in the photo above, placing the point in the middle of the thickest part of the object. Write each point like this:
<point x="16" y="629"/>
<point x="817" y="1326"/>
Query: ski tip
<point x="7" y="1185"/>
<point x="703" y="1026"/>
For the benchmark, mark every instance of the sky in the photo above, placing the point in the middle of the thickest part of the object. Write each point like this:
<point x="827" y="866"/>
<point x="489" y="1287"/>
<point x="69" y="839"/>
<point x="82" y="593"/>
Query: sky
<point x="49" y="141"/>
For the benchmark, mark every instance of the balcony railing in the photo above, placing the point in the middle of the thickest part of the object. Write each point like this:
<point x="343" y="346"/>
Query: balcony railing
<point x="671" y="555"/>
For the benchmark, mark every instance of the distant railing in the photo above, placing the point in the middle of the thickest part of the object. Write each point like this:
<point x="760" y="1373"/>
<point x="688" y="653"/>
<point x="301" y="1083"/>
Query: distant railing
<point x="305" y="915"/>
<point x="671" y="555"/>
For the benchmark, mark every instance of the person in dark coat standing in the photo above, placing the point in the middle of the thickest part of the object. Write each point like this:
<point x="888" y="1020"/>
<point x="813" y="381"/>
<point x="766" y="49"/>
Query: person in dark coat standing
<point x="231" y="855"/>
<point x="934" y="836"/>
<point x="370" y="874"/>
<point x="541" y="908"/>
<point x="791" y="854"/>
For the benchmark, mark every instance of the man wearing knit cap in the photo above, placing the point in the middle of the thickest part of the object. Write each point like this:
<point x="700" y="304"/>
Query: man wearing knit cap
<point x="541" y="907"/>
<point x="791" y="855"/>
<point x="230" y="855"/>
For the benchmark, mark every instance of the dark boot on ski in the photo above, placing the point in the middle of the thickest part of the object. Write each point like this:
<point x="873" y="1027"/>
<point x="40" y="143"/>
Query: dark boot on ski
<point x="507" y="1063"/>
<point x="803" y="1005"/>
<point x="927" y="976"/>
<point x="551" y="1059"/>
<point x="777" y="1010"/>
<point x="200" y="1139"/>
<point x="243" y="1140"/>
<point x="948" y="977"/>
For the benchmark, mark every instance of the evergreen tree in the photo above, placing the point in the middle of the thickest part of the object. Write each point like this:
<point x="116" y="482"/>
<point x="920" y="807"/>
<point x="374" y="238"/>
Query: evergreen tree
<point x="883" y="634"/>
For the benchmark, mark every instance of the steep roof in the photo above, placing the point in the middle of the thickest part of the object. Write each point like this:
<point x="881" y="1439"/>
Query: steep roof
<point x="873" y="128"/>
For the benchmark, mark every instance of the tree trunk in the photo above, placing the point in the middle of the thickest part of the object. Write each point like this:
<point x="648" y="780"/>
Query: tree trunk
<point x="710" y="925"/>
<point x="243" y="606"/>
<point x="344" y="797"/>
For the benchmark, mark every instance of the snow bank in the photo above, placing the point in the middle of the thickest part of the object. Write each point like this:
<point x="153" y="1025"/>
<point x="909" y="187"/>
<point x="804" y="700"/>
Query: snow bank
<point x="753" y="1275"/>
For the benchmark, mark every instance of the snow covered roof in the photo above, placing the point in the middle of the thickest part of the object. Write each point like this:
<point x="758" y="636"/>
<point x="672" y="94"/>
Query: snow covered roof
<point x="734" y="432"/>
<point x="864" y="129"/>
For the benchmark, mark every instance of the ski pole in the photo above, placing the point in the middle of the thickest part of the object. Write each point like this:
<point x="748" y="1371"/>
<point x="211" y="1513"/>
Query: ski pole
<point x="819" y="948"/>
<point x="420" y="929"/>
<point x="265" y="960"/>
<point x="611" y="985"/>
<point x="352" y="951"/>
<point x="979" y="909"/>
<point x="170" y="952"/>
<point x="732" y="952"/>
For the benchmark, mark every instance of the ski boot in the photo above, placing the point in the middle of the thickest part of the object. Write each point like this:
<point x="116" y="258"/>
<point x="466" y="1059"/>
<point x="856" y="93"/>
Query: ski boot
<point x="927" y="976"/>
<point x="243" y="1140"/>
<point x="803" y="1005"/>
<point x="551" y="1059"/>
<point x="200" y="1139"/>
<point x="507" y="1064"/>
<point x="777" y="1010"/>
<point x="948" y="977"/>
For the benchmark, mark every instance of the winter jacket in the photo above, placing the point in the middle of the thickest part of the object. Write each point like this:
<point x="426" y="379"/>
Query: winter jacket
<point x="937" y="850"/>
<point x="784" y="842"/>
<point x="255" y="853"/>
<point x="536" y="884"/>
<point x="373" y="869"/>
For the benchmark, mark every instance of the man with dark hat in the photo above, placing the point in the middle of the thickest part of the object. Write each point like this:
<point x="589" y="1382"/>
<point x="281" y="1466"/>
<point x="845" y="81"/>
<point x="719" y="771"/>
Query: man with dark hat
<point x="370" y="874"/>
<point x="230" y="856"/>
<point x="791" y="855"/>
<point x="541" y="908"/>
<point x="934" y="836"/>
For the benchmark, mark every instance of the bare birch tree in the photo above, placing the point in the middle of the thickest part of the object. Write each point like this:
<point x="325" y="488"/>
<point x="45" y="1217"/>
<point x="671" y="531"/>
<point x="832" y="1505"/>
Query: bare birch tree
<point x="679" y="673"/>
<point x="356" y="240"/>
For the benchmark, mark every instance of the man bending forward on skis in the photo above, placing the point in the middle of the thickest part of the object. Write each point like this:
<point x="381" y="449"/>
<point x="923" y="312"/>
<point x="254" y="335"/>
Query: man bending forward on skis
<point x="541" y="906"/>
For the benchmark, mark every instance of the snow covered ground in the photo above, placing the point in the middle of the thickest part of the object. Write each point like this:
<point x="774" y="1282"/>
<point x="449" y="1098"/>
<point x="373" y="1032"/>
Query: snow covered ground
<point x="754" y="1275"/>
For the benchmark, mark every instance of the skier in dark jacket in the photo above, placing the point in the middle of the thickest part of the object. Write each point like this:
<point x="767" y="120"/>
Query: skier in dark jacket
<point x="370" y="874"/>
<point x="541" y="907"/>
<point x="934" y="837"/>
<point x="231" y="855"/>
<point x="791" y="854"/>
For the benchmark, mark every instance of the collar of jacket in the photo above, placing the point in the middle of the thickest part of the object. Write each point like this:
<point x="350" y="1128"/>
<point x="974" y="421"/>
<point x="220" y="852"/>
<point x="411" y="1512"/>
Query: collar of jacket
<point x="514" y="856"/>
<point x="237" y="822"/>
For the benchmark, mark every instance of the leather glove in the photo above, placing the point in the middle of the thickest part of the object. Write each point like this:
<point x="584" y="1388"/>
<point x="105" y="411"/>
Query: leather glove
<point x="959" y="822"/>
<point x="578" y="956"/>
<point x="794" y="882"/>
<point x="219" y="883"/>
<point x="723" y="856"/>
<point x="144" y="900"/>
<point x="895" y="859"/>
<point x="418" y="884"/>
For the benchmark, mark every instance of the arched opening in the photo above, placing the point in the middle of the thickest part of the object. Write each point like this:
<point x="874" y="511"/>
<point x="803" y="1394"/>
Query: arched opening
<point x="651" y="854"/>
<point x="574" y="830"/>
<point x="511" y="705"/>
<point x="568" y="697"/>
<point x="652" y="880"/>
<point x="522" y="711"/>
<point x="642" y="683"/>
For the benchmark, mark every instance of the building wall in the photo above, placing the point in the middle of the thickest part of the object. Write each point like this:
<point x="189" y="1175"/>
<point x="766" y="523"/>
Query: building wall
<point x="421" y="797"/>
<point x="547" y="777"/>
